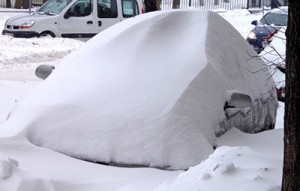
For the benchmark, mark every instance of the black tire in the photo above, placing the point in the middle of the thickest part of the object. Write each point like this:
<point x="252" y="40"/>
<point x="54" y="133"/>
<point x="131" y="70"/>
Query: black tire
<point x="272" y="126"/>
<point x="47" y="33"/>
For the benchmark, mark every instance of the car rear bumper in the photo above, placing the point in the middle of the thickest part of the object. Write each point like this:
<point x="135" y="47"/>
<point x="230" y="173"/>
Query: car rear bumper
<point x="23" y="34"/>
<point x="257" y="44"/>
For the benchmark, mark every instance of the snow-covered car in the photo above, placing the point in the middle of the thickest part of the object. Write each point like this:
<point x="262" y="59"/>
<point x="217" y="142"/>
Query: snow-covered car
<point x="150" y="92"/>
<point x="271" y="22"/>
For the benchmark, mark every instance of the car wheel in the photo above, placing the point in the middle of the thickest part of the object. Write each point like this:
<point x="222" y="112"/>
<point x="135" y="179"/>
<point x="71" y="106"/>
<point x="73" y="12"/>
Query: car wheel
<point x="257" y="49"/>
<point x="272" y="126"/>
<point x="47" y="34"/>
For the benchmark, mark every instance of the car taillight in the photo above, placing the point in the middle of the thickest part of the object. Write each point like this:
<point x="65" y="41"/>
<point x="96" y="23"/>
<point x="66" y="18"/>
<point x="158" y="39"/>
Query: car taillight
<point x="270" y="37"/>
<point x="281" y="94"/>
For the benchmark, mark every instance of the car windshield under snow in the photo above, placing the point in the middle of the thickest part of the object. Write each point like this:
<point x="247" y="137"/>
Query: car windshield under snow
<point x="274" y="19"/>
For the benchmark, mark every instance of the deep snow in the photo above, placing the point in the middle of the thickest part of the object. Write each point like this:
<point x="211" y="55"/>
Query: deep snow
<point x="246" y="162"/>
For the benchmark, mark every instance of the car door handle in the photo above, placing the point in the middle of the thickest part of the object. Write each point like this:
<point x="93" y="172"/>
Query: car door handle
<point x="99" y="23"/>
<point x="89" y="22"/>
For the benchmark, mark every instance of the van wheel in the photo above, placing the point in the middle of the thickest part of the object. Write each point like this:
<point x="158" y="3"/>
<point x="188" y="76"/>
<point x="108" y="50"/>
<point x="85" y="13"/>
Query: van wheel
<point x="47" y="34"/>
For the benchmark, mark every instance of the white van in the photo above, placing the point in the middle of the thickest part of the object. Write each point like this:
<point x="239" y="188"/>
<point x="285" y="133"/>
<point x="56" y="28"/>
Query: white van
<point x="72" y="18"/>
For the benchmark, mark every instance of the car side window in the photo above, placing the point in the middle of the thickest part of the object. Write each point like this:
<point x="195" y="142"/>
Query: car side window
<point x="80" y="8"/>
<point x="107" y="9"/>
<point x="129" y="8"/>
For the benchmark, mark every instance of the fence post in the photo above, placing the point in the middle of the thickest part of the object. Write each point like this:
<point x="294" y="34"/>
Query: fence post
<point x="176" y="4"/>
<point x="8" y="4"/>
<point x="201" y="3"/>
<point x="30" y="5"/>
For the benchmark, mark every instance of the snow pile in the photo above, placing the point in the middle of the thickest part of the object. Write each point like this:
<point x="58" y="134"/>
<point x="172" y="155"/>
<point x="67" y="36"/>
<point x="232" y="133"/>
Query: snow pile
<point x="12" y="49"/>
<point x="217" y="171"/>
<point x="253" y="165"/>
<point x="105" y="104"/>
<point x="20" y="57"/>
<point x="13" y="91"/>
<point x="7" y="167"/>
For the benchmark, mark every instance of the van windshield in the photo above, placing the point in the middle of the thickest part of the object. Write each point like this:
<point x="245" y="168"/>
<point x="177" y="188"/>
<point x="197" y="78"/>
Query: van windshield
<point x="53" y="7"/>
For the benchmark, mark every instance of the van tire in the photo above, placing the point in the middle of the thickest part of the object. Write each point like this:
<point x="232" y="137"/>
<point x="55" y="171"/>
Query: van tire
<point x="47" y="33"/>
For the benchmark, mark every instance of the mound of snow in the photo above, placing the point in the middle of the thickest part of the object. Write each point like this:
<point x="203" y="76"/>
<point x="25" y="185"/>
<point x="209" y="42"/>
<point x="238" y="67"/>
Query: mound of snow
<point x="7" y="167"/>
<point x="224" y="169"/>
<point x="12" y="49"/>
<point x="146" y="92"/>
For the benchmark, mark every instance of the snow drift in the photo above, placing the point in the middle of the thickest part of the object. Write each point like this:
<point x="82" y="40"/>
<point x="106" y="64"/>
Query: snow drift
<point x="116" y="101"/>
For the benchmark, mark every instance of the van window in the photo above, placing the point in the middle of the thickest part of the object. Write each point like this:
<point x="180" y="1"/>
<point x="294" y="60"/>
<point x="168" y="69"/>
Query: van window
<point x="129" y="8"/>
<point x="80" y="8"/>
<point x="107" y="9"/>
<point x="52" y="7"/>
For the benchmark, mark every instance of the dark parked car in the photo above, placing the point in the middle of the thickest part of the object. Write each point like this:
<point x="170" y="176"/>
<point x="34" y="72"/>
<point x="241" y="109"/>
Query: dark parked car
<point x="271" y="22"/>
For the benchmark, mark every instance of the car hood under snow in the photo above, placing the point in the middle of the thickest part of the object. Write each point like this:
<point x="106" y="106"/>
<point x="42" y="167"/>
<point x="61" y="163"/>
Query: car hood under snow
<point x="135" y="95"/>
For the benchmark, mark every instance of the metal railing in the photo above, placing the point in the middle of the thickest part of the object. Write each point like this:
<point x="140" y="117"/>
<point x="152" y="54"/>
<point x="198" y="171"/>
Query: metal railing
<point x="205" y="4"/>
<point x="217" y="4"/>
<point x="21" y="4"/>
<point x="167" y="4"/>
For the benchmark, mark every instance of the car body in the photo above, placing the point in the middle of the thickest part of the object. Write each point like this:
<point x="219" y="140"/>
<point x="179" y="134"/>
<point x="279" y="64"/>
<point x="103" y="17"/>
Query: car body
<point x="72" y="18"/>
<point x="274" y="56"/>
<point x="271" y="22"/>
<point x="150" y="92"/>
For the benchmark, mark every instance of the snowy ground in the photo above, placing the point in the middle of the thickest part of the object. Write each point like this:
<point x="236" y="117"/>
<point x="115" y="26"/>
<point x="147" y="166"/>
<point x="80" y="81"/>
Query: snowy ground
<point x="242" y="161"/>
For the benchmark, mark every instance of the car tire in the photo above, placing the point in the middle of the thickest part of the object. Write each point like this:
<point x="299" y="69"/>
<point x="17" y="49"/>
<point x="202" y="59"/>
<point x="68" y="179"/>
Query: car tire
<point x="272" y="126"/>
<point x="47" y="33"/>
